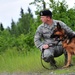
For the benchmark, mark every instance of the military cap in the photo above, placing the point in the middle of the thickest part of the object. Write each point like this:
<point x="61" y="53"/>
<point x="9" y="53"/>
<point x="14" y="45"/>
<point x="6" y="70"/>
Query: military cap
<point x="46" y="13"/>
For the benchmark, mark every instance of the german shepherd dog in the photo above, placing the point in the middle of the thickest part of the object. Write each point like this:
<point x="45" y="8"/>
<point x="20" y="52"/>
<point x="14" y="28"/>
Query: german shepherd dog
<point x="68" y="42"/>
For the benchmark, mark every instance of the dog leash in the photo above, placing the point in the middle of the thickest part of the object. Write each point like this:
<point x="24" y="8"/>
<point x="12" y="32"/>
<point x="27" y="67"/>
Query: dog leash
<point x="50" y="45"/>
<point x="42" y="61"/>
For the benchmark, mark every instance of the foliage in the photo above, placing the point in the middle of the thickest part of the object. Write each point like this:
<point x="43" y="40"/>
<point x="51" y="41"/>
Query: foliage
<point x="1" y="27"/>
<point x="4" y="40"/>
<point x="21" y="33"/>
<point x="61" y="12"/>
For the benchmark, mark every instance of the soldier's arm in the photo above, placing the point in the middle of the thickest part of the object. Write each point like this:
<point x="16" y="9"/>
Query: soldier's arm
<point x="67" y="28"/>
<point x="37" y="38"/>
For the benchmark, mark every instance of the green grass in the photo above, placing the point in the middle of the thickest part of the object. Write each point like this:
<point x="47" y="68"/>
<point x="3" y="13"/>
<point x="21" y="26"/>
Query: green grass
<point x="14" y="61"/>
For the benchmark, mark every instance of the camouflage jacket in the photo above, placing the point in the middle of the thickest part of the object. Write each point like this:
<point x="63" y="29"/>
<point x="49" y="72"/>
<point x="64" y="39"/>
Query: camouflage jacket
<point x="44" y="31"/>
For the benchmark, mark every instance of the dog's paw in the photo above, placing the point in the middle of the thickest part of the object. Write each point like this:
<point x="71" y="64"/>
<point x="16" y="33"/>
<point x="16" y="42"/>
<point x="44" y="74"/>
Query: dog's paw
<point x="66" y="66"/>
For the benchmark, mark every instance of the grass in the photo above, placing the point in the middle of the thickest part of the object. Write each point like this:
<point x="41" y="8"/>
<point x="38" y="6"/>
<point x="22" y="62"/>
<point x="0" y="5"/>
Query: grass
<point x="14" y="61"/>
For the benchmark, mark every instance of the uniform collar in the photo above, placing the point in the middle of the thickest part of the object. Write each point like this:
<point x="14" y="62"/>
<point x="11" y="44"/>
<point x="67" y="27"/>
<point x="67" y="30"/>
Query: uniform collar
<point x="54" y="24"/>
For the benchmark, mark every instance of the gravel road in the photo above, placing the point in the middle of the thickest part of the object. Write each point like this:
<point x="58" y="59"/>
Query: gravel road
<point x="34" y="74"/>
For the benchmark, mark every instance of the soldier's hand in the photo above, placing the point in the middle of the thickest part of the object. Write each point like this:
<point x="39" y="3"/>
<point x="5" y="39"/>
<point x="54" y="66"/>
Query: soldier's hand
<point x="45" y="46"/>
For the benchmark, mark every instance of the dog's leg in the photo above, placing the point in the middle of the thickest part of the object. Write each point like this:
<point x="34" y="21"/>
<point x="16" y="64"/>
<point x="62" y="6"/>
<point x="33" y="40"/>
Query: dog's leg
<point x="66" y="56"/>
<point x="69" y="60"/>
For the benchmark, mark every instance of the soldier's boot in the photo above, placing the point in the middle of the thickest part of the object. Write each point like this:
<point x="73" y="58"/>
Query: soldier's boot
<point x="53" y="63"/>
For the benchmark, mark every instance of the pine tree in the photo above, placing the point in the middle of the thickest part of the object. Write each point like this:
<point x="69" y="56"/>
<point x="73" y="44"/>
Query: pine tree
<point x="1" y="27"/>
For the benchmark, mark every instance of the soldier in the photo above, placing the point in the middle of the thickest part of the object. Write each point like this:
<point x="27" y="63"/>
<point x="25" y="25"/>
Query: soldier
<point x="43" y="41"/>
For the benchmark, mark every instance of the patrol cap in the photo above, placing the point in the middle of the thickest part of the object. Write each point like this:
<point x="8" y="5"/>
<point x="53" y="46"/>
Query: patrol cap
<point x="46" y="13"/>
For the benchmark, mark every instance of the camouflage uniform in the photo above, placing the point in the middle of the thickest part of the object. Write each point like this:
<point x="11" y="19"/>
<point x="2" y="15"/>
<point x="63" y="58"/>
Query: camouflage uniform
<point x="42" y="36"/>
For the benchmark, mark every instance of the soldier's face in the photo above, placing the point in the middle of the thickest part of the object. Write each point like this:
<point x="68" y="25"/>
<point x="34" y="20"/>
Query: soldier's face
<point x="44" y="19"/>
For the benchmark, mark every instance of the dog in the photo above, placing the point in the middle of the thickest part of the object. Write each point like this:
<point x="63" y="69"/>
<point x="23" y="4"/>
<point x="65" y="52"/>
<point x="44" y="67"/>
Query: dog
<point x="68" y="42"/>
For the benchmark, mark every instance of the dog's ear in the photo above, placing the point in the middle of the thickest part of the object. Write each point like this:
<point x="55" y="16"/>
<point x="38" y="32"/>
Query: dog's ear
<point x="58" y="26"/>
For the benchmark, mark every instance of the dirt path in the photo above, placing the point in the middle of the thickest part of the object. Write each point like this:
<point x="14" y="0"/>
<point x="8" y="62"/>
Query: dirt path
<point x="35" y="74"/>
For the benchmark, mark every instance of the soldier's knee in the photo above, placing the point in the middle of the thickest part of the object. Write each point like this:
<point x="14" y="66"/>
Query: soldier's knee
<point x="47" y="59"/>
<point x="46" y="55"/>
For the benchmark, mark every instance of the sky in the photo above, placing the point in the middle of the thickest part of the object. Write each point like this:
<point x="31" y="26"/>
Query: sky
<point x="10" y="9"/>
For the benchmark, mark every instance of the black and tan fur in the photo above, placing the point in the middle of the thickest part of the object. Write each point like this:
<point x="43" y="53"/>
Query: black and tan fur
<point x="68" y="42"/>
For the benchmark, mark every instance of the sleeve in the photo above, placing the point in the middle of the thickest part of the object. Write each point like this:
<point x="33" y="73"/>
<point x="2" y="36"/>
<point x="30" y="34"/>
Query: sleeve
<point x="37" y="38"/>
<point x="67" y="28"/>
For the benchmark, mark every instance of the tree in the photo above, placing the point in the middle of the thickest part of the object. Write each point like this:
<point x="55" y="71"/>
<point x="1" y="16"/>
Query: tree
<point x="71" y="16"/>
<point x="29" y="11"/>
<point x="40" y="5"/>
<point x="1" y="27"/>
<point x="14" y="30"/>
<point x="8" y="28"/>
<point x="24" y="23"/>
<point x="22" y="12"/>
